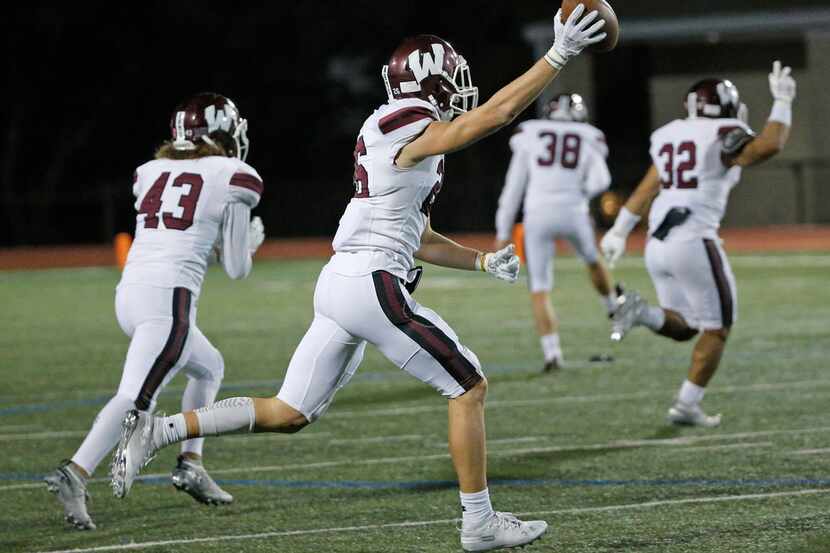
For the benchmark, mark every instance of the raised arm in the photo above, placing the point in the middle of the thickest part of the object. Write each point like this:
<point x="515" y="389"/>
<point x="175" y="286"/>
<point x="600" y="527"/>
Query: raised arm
<point x="613" y="243"/>
<point x="742" y="148"/>
<point x="503" y="107"/>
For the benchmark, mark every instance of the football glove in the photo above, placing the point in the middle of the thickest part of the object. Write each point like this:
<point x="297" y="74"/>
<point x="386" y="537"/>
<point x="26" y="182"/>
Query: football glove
<point x="613" y="243"/>
<point x="781" y="83"/>
<point x="572" y="36"/>
<point x="256" y="234"/>
<point x="503" y="264"/>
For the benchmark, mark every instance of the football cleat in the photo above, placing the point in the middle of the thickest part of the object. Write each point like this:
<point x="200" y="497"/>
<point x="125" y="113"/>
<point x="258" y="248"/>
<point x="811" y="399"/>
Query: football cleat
<point x="137" y="447"/>
<point x="553" y="365"/>
<point x="70" y="488"/>
<point x="629" y="308"/>
<point x="691" y="415"/>
<point x="192" y="478"/>
<point x="501" y="530"/>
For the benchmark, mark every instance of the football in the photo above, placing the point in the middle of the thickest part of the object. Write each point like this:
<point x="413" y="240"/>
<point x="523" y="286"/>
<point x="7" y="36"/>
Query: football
<point x="606" y="12"/>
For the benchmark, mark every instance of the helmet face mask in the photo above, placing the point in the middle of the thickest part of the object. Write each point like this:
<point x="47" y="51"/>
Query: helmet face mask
<point x="428" y="67"/>
<point x="213" y="119"/>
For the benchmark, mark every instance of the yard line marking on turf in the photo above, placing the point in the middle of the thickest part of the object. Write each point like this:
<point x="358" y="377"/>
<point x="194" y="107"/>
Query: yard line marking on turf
<point x="614" y="445"/>
<point x="376" y="439"/>
<point x="447" y="521"/>
<point x="819" y="451"/>
<point x="749" y="445"/>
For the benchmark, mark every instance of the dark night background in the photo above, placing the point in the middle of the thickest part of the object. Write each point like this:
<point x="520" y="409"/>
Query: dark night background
<point x="89" y="89"/>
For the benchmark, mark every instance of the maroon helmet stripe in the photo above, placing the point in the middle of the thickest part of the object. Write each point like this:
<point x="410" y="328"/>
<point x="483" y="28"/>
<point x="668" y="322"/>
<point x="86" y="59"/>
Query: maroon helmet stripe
<point x="722" y="283"/>
<point x="244" y="180"/>
<point x="423" y="331"/>
<point x="403" y="117"/>
<point x="171" y="352"/>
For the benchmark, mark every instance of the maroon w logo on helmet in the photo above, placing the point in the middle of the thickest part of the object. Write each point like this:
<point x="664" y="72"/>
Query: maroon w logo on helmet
<point x="429" y="68"/>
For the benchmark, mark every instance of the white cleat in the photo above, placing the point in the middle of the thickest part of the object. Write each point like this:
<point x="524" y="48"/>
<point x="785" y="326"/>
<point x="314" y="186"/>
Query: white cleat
<point x="501" y="530"/>
<point x="135" y="450"/>
<point x="192" y="478"/>
<point x="70" y="489"/>
<point x="691" y="415"/>
<point x="629" y="308"/>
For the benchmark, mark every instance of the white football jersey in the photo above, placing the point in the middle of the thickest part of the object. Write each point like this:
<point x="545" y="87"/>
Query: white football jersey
<point x="391" y="206"/>
<point x="687" y="155"/>
<point x="555" y="165"/>
<point x="181" y="204"/>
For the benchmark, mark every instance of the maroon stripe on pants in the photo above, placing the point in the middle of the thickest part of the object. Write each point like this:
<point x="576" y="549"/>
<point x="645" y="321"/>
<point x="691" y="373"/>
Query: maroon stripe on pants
<point x="172" y="350"/>
<point x="722" y="283"/>
<point x="422" y="331"/>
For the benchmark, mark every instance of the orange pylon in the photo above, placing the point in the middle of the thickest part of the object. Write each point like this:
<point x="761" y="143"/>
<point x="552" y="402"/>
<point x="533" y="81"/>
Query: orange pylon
<point x="121" y="246"/>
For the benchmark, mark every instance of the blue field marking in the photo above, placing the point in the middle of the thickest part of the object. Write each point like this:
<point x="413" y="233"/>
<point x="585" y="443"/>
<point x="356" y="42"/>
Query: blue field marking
<point x="443" y="484"/>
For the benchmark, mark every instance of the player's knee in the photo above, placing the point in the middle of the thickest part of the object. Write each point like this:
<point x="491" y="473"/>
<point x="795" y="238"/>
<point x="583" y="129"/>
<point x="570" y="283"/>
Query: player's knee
<point x="476" y="394"/>
<point x="273" y="415"/>
<point x="720" y="333"/>
<point x="684" y="334"/>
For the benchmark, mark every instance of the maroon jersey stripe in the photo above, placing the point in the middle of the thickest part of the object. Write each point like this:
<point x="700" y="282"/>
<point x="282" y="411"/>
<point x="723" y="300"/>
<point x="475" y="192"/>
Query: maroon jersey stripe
<point x="244" y="180"/>
<point x="403" y="117"/>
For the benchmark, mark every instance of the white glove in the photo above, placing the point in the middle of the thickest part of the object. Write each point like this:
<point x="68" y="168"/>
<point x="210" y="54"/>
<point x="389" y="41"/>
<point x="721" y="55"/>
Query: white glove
<point x="573" y="36"/>
<point x="256" y="234"/>
<point x="613" y="243"/>
<point x="503" y="264"/>
<point x="781" y="83"/>
<point x="613" y="247"/>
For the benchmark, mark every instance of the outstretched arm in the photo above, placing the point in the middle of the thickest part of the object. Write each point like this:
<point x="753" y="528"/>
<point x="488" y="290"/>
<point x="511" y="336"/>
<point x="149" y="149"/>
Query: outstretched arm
<point x="440" y="250"/>
<point x="444" y="137"/>
<point x="613" y="243"/>
<point x="741" y="148"/>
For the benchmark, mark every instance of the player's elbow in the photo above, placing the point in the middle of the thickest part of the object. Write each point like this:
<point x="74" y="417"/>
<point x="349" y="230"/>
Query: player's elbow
<point x="238" y="271"/>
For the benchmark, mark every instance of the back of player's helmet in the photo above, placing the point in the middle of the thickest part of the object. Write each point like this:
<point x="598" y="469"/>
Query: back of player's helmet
<point x="566" y="107"/>
<point x="714" y="98"/>
<point x="429" y="68"/>
<point x="213" y="119"/>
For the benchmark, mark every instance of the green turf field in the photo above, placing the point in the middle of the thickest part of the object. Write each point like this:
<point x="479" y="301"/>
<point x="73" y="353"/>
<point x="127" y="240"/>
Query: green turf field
<point x="587" y="449"/>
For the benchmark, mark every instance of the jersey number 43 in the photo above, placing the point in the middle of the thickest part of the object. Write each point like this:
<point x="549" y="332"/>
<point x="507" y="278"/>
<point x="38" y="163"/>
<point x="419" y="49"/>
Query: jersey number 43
<point x="151" y="205"/>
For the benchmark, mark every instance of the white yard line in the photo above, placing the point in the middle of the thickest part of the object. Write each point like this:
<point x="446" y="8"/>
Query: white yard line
<point x="820" y="451"/>
<point x="749" y="445"/>
<point x="421" y="523"/>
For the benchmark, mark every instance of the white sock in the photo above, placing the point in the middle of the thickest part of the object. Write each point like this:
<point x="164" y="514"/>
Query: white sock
<point x="171" y="430"/>
<point x="475" y="507"/>
<point x="609" y="301"/>
<point x="104" y="434"/>
<point x="200" y="392"/>
<point x="690" y="393"/>
<point x="550" y="346"/>
<point x="653" y="317"/>
<point x="229" y="416"/>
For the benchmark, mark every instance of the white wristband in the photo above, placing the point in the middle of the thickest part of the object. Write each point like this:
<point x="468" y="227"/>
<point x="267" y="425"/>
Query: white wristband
<point x="782" y="112"/>
<point x="555" y="59"/>
<point x="625" y="223"/>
